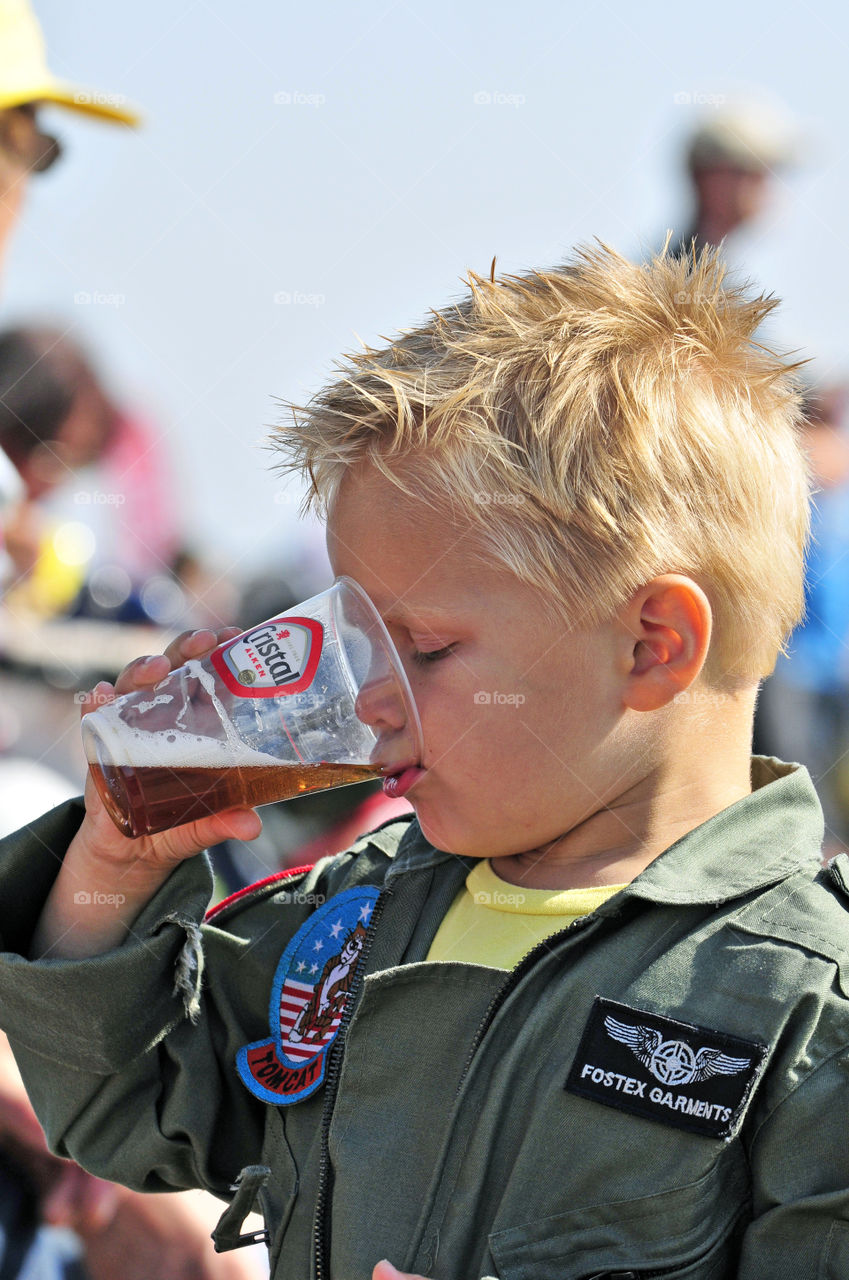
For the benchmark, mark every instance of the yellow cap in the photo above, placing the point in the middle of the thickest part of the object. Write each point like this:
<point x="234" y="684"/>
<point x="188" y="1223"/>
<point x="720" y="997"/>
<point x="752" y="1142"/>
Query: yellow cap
<point x="25" y="76"/>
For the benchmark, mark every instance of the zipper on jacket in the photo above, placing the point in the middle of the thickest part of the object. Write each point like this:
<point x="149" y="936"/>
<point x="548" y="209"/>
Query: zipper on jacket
<point x="514" y="978"/>
<point x="331" y="1084"/>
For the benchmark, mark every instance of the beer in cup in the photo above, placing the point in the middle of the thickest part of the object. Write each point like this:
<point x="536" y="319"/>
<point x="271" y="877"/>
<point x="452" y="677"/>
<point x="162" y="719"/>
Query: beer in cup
<point x="314" y="698"/>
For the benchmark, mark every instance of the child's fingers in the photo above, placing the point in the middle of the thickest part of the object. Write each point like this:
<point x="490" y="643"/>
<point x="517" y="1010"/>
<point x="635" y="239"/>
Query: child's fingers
<point x="197" y="644"/>
<point x="192" y="837"/>
<point x="142" y="673"/>
<point x="385" y="1271"/>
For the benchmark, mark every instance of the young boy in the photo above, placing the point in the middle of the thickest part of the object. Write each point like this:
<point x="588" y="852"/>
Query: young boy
<point x="598" y="1024"/>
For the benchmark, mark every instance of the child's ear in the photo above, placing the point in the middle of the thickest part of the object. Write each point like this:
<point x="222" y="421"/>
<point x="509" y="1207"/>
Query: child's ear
<point x="666" y="634"/>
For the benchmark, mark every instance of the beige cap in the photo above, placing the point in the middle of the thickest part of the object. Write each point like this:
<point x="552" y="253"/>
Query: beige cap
<point x="748" y="136"/>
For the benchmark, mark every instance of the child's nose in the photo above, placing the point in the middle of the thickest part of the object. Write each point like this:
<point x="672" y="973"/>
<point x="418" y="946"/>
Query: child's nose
<point x="379" y="705"/>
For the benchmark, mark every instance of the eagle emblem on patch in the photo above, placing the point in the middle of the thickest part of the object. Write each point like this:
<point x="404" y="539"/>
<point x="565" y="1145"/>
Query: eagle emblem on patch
<point x="308" y="998"/>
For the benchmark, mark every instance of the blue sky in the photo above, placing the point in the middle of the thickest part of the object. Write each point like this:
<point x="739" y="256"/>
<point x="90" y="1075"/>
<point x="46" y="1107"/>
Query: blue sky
<point x="311" y="175"/>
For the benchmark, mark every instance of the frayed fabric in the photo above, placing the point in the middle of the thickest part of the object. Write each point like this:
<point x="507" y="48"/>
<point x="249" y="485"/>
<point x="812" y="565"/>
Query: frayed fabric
<point x="188" y="971"/>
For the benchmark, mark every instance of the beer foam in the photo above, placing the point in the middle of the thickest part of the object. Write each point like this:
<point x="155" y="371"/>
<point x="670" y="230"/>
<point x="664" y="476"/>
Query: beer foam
<point x="155" y="702"/>
<point x="173" y="748"/>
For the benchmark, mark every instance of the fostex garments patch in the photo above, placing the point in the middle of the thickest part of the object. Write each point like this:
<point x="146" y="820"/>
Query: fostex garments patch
<point x="676" y="1073"/>
<point x="308" y="998"/>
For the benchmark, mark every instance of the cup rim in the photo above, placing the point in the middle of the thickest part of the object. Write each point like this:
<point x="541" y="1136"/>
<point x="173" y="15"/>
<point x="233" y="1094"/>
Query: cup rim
<point x="344" y="580"/>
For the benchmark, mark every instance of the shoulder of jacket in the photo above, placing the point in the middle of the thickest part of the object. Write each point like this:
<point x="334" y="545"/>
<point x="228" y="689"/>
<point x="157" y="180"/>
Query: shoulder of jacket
<point x="809" y="911"/>
<point x="366" y="862"/>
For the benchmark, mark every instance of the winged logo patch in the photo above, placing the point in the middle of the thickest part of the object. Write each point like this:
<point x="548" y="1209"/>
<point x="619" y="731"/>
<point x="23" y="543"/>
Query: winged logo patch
<point x="673" y="1061"/>
<point x="677" y="1073"/>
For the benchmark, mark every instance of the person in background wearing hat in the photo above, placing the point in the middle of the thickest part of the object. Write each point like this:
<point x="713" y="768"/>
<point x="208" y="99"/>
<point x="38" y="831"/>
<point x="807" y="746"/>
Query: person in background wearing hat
<point x="117" y="1231"/>
<point x="733" y="160"/>
<point x="25" y="83"/>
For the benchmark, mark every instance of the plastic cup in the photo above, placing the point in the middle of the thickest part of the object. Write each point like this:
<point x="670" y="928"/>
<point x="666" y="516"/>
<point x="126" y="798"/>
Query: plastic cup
<point x="314" y="698"/>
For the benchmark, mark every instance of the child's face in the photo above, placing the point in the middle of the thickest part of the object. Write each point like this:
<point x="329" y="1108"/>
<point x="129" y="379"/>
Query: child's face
<point x="522" y="720"/>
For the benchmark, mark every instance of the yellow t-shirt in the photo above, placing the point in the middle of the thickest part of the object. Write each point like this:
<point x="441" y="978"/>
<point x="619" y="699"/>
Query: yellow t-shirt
<point x="495" y="923"/>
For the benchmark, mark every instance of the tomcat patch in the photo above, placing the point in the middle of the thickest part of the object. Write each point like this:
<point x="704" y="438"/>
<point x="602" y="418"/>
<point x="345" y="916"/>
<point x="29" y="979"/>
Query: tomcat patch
<point x="674" y="1072"/>
<point x="308" y="996"/>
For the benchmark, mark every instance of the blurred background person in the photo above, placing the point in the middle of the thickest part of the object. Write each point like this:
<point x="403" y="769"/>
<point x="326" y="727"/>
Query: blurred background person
<point x="803" y="709"/>
<point x="735" y="159"/>
<point x="88" y="462"/>
<point x="26" y="83"/>
<point x="56" y="1221"/>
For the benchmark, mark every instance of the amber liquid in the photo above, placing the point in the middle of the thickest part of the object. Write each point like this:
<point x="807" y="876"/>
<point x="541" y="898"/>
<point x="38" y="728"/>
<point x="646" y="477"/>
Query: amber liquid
<point x="145" y="800"/>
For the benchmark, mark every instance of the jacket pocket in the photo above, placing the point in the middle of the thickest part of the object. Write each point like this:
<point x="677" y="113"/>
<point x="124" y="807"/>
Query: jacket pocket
<point x="836" y="1260"/>
<point x="689" y="1232"/>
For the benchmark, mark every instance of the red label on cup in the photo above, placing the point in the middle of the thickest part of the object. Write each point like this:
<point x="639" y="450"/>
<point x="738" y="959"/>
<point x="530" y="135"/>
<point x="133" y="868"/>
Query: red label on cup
<point x="277" y="658"/>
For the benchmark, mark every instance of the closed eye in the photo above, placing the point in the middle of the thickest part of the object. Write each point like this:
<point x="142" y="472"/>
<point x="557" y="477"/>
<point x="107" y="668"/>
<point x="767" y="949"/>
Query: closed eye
<point x="423" y="656"/>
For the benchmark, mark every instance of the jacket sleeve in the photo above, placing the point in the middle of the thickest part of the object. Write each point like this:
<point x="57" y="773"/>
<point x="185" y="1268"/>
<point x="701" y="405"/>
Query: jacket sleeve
<point x="128" y="1056"/>
<point x="800" y="1177"/>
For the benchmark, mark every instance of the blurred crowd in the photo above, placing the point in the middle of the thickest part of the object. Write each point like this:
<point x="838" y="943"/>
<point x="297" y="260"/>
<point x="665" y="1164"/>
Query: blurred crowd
<point x="96" y="568"/>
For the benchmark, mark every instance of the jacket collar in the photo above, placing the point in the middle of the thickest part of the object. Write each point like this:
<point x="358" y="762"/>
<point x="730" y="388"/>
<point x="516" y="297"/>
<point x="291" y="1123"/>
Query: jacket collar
<point x="755" y="842"/>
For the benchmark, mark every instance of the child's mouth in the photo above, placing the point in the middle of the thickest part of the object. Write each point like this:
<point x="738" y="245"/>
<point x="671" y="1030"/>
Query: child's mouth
<point x="397" y="785"/>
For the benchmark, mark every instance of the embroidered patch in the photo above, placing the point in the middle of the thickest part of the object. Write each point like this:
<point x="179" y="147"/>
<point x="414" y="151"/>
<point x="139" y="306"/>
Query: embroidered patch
<point x="308" y="997"/>
<point x="674" y="1072"/>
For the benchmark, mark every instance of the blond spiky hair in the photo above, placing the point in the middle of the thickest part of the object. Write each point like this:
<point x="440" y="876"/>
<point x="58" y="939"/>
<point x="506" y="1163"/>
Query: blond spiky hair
<point x="599" y="424"/>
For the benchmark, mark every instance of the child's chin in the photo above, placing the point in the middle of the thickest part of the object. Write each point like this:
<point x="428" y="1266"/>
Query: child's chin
<point x="451" y="839"/>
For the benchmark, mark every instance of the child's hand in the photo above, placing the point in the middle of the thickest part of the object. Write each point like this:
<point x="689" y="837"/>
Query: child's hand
<point x="98" y="834"/>
<point x="107" y="878"/>
<point x="385" y="1271"/>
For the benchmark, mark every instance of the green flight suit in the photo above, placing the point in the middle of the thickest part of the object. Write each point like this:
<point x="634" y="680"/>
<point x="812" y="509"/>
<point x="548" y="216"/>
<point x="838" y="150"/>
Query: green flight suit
<point x="475" y="1123"/>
